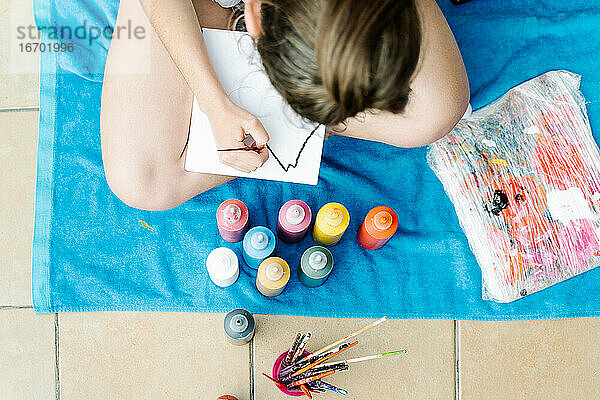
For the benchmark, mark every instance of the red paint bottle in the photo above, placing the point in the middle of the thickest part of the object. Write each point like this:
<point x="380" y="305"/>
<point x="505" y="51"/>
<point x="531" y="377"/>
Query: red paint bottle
<point x="232" y="220"/>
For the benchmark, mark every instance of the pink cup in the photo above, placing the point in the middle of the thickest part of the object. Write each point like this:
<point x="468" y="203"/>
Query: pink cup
<point x="277" y="368"/>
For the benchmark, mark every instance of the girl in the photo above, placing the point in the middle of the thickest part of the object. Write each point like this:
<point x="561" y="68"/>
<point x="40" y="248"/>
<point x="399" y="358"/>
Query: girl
<point x="383" y="70"/>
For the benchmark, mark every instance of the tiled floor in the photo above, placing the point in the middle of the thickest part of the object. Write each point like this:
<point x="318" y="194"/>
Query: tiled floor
<point x="184" y="356"/>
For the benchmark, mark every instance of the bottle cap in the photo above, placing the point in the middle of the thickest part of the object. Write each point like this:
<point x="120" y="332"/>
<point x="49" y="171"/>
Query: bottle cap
<point x="274" y="271"/>
<point x="382" y="220"/>
<point x="334" y="216"/>
<point x="317" y="260"/>
<point x="259" y="240"/>
<point x="239" y="323"/>
<point x="295" y="214"/>
<point x="273" y="274"/>
<point x="239" y="326"/>
<point x="380" y="223"/>
<point x="332" y="220"/>
<point x="316" y="263"/>
<point x="225" y="261"/>
<point x="232" y="213"/>
<point x="222" y="266"/>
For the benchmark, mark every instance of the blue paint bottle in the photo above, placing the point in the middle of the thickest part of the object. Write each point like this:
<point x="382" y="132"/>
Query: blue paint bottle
<point x="259" y="243"/>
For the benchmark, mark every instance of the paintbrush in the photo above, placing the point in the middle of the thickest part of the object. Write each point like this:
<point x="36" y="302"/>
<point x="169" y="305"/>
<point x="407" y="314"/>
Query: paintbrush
<point x="279" y="384"/>
<point x="306" y="391"/>
<point x="253" y="148"/>
<point x="250" y="144"/>
<point x="288" y="357"/>
<point x="289" y="370"/>
<point x="302" y="382"/>
<point x="358" y="332"/>
<point x="366" y="358"/>
<point x="315" y="371"/>
<point x="342" y="348"/>
<point x="341" y="365"/>
<point x="301" y="346"/>
<point x="326" y="386"/>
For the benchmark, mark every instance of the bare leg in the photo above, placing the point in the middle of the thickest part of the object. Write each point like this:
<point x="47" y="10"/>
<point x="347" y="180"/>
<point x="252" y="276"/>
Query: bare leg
<point x="145" y="116"/>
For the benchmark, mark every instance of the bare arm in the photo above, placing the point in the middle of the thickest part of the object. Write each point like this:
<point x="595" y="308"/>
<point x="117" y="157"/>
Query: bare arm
<point x="177" y="26"/>
<point x="440" y="91"/>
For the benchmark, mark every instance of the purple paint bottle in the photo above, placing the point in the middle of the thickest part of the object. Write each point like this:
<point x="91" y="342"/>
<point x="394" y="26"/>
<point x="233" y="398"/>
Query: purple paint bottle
<point x="293" y="221"/>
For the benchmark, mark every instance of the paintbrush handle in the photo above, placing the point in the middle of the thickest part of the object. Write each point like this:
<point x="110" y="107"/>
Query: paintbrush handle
<point x="332" y="345"/>
<point x="312" y="378"/>
<point x="309" y="366"/>
<point x="241" y="149"/>
<point x="327" y="386"/>
<point x="288" y="358"/>
<point x="319" y="369"/>
<point x="306" y="391"/>
<point x="281" y="385"/>
<point x="382" y="355"/>
<point x="301" y="347"/>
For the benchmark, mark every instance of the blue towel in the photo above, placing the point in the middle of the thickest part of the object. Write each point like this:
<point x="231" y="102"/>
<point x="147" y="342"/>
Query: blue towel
<point x="91" y="252"/>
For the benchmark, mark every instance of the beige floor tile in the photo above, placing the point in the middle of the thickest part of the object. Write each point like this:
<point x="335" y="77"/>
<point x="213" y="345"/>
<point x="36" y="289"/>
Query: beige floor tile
<point x="18" y="144"/>
<point x="27" y="363"/>
<point x="425" y="372"/>
<point x="19" y="70"/>
<point x="149" y="356"/>
<point x="530" y="360"/>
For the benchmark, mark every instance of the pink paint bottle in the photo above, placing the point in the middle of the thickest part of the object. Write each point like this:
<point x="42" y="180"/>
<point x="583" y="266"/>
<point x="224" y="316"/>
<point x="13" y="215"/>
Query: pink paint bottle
<point x="293" y="221"/>
<point x="232" y="220"/>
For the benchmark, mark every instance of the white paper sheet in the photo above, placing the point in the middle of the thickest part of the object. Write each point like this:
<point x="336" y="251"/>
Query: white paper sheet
<point x="241" y="73"/>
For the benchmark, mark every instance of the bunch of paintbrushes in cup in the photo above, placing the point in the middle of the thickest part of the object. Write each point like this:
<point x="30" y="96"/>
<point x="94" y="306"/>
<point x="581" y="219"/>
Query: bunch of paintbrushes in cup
<point x="299" y="372"/>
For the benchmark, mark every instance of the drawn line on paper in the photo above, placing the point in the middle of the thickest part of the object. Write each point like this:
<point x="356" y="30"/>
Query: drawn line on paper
<point x="286" y="169"/>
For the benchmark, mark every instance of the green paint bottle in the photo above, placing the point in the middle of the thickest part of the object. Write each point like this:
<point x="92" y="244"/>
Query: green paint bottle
<point x="315" y="266"/>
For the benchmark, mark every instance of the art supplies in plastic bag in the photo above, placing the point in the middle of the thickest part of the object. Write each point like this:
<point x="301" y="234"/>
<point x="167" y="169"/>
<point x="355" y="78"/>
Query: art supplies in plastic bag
<point x="523" y="174"/>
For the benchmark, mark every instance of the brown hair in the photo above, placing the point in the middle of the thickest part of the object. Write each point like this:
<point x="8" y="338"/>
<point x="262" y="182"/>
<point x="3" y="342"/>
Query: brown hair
<point x="332" y="59"/>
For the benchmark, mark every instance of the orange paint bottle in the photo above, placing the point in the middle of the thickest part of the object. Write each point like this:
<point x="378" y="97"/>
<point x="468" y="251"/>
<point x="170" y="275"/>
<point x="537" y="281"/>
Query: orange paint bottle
<point x="379" y="226"/>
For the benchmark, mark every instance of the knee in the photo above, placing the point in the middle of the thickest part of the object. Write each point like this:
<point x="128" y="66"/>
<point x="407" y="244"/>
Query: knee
<point x="137" y="187"/>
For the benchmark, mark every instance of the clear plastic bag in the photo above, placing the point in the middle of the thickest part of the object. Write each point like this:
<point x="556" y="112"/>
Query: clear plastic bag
<point x="523" y="174"/>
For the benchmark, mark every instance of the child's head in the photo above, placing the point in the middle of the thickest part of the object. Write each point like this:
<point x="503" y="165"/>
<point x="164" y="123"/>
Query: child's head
<point x="332" y="59"/>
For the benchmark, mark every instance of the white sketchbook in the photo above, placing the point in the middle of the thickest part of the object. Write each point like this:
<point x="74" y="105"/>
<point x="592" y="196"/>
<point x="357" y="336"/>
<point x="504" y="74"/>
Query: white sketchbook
<point x="295" y="144"/>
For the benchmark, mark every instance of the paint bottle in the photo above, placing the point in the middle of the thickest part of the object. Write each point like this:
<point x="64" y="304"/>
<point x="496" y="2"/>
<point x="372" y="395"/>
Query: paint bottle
<point x="259" y="243"/>
<point x="232" y="220"/>
<point x="293" y="221"/>
<point x="222" y="266"/>
<point x="273" y="274"/>
<point x="239" y="326"/>
<point x="377" y="228"/>
<point x="315" y="266"/>
<point x="330" y="224"/>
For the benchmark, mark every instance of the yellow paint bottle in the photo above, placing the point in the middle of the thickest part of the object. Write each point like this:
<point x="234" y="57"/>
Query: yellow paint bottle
<point x="330" y="224"/>
<point x="273" y="274"/>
